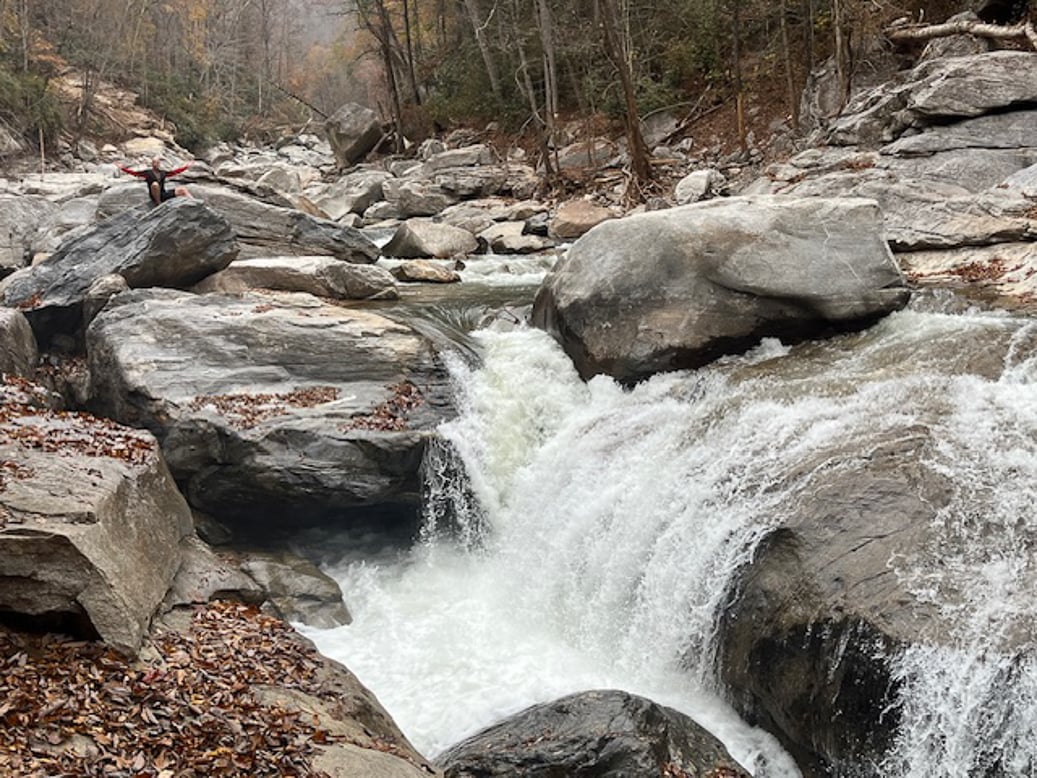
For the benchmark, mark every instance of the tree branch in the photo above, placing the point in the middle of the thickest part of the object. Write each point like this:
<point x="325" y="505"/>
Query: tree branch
<point x="1023" y="30"/>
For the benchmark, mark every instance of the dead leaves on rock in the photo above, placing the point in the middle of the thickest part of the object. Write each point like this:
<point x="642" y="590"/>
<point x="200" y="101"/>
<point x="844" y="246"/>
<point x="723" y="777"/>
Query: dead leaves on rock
<point x="974" y="272"/>
<point x="247" y="410"/>
<point x="391" y="415"/>
<point x="68" y="432"/>
<point x="77" y="708"/>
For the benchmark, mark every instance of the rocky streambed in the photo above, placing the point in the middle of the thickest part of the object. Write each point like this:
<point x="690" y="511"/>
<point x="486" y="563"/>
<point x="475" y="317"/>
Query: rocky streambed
<point x="274" y="354"/>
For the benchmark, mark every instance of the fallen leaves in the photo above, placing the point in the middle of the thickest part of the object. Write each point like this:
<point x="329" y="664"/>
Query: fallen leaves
<point x="72" y="432"/>
<point x="79" y="708"/>
<point x="974" y="272"/>
<point x="389" y="416"/>
<point x="247" y="410"/>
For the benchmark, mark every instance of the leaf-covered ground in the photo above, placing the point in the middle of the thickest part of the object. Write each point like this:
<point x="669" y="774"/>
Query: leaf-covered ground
<point x="74" y="708"/>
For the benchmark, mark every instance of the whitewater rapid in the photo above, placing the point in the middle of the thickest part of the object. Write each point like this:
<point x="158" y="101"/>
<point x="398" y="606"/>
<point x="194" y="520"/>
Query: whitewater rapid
<point x="594" y="538"/>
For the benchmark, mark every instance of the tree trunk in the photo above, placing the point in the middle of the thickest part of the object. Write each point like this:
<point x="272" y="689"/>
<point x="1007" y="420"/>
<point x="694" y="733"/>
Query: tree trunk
<point x="736" y="55"/>
<point x="790" y="81"/>
<point x="638" y="151"/>
<point x="842" y="59"/>
<point x="546" y="25"/>
<point x="525" y="84"/>
<point x="479" y="27"/>
<point x="410" y="53"/>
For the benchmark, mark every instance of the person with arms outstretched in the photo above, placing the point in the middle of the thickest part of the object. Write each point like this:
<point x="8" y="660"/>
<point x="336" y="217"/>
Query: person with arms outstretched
<point x="155" y="177"/>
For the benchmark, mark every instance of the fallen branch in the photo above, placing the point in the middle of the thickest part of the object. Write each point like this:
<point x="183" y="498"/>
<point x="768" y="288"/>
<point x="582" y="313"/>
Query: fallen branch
<point x="1023" y="30"/>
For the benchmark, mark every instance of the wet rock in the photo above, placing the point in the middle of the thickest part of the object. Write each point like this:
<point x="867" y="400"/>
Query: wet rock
<point x="275" y="411"/>
<point x="423" y="238"/>
<point x="603" y="734"/>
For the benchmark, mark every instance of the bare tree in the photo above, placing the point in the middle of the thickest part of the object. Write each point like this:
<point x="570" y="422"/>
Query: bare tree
<point x="617" y="53"/>
<point x="479" y="25"/>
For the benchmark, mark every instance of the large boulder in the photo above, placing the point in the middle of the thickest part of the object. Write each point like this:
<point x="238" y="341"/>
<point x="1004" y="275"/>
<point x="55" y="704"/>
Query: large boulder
<point x="264" y="229"/>
<point x="352" y="131"/>
<point x="273" y="411"/>
<point x="596" y="734"/>
<point x="424" y="238"/>
<point x="175" y="245"/>
<point x="676" y="288"/>
<point x="879" y="551"/>
<point x="90" y="524"/>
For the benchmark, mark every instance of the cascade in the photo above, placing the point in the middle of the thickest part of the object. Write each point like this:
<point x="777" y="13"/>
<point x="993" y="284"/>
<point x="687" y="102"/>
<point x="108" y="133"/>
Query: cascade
<point x="581" y="535"/>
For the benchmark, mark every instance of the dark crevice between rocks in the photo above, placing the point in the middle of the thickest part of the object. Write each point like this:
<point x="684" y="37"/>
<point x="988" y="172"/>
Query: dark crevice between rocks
<point x="75" y="624"/>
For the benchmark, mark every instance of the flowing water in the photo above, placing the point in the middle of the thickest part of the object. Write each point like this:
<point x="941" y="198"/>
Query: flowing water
<point x="591" y="536"/>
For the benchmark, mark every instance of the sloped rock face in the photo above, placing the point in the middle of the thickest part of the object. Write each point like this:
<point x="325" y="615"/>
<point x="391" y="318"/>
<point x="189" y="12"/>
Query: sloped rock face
<point x="881" y="548"/>
<point x="20" y="217"/>
<point x="605" y="734"/>
<point x="273" y="411"/>
<point x="949" y="153"/>
<point x="939" y="89"/>
<point x="821" y="609"/>
<point x="90" y="524"/>
<point x="174" y="245"/>
<point x="677" y="288"/>
<point x="321" y="276"/>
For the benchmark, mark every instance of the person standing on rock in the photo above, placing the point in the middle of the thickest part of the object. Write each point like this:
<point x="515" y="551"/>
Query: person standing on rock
<point x="155" y="177"/>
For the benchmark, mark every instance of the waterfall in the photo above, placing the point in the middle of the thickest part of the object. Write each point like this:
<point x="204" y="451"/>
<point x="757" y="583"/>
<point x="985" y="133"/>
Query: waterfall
<point x="584" y="536"/>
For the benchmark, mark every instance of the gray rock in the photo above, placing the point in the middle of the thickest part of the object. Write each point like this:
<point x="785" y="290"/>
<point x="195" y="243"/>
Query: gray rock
<point x="175" y="245"/>
<point x="698" y="185"/>
<point x="322" y="276"/>
<point x="425" y="271"/>
<point x="273" y="411"/>
<point x="511" y="238"/>
<point x="468" y="217"/>
<point x="594" y="734"/>
<point x="469" y="156"/>
<point x="353" y="131"/>
<point x="576" y="217"/>
<point x="674" y="289"/>
<point x="1012" y="130"/>
<point x="414" y="198"/>
<point x="203" y="577"/>
<point x="939" y="90"/>
<point x="18" y="352"/>
<point x="20" y="217"/>
<point x="297" y="590"/>
<point x="423" y="238"/>
<point x="90" y="530"/>
<point x="282" y="178"/>
<point x="594" y="153"/>
<point x="265" y="230"/>
<point x="353" y="193"/>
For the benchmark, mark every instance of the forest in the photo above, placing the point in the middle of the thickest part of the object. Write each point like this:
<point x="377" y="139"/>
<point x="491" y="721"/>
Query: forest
<point x="231" y="69"/>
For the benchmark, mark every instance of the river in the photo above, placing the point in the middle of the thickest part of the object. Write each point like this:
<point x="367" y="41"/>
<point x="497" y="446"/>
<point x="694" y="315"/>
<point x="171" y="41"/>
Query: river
<point x="594" y="533"/>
